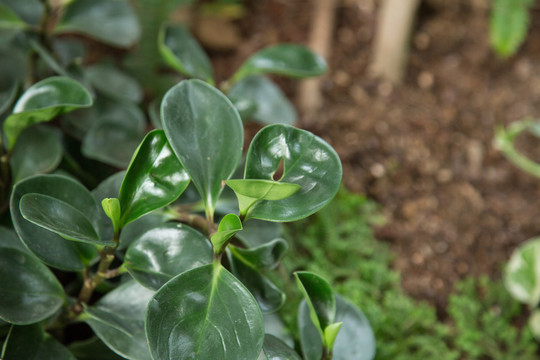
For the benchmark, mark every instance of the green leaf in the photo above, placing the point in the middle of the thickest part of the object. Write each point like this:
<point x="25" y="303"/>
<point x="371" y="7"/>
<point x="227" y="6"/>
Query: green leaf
<point x="115" y="136"/>
<point x="44" y="101"/>
<point x="259" y="99"/>
<point x="9" y="239"/>
<point x="31" y="11"/>
<point x="265" y="256"/>
<point x="522" y="274"/>
<point x="183" y="53"/>
<point x="92" y="349"/>
<point x="9" y="18"/>
<point x="118" y="320"/>
<point x="330" y="334"/>
<point x="32" y="343"/>
<point x="534" y="323"/>
<point x="228" y="227"/>
<point x="38" y="151"/>
<point x="250" y="191"/>
<point x="114" y="83"/>
<point x="51" y="248"/>
<point x="154" y="179"/>
<point x="267" y="294"/>
<point x="59" y="217"/>
<point x="29" y="292"/>
<point x="307" y="161"/>
<point x="166" y="251"/>
<point x="320" y="298"/>
<point x="282" y="59"/>
<point x="355" y="339"/>
<point x="204" y="314"/>
<point x="7" y="95"/>
<point x="111" y="21"/>
<point x="509" y="24"/>
<point x="258" y="232"/>
<point x="275" y="349"/>
<point x="111" y="207"/>
<point x="206" y="133"/>
<point x="273" y="325"/>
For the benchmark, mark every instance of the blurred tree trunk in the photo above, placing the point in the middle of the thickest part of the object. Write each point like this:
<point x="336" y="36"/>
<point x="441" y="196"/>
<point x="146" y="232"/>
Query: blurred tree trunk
<point x="392" y="38"/>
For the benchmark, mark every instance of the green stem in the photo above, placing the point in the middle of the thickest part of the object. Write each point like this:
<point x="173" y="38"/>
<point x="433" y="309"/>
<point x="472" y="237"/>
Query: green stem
<point x="504" y="141"/>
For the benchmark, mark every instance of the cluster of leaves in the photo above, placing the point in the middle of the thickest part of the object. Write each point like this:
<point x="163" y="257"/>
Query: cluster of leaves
<point x="151" y="272"/>
<point x="338" y="243"/>
<point x="509" y="24"/>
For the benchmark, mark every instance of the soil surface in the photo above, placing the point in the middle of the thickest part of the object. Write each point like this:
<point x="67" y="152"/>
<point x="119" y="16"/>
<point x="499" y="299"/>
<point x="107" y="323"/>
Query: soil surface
<point x="454" y="205"/>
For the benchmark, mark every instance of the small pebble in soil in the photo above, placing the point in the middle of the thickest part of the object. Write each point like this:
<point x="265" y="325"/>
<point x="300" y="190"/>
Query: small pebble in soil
<point x="425" y="80"/>
<point x="385" y="89"/>
<point x="377" y="170"/>
<point x="417" y="259"/>
<point x="441" y="247"/>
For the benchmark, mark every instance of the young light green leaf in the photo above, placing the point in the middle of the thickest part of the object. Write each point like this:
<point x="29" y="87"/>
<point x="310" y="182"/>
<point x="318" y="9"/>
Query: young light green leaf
<point x="228" y="227"/>
<point x="154" y="179"/>
<point x="114" y="83"/>
<point x="44" y="101"/>
<point x="534" y="323"/>
<point x="118" y="320"/>
<point x="163" y="252"/>
<point x="330" y="334"/>
<point x="206" y="133"/>
<point x="307" y="161"/>
<point x="261" y="100"/>
<point x="522" y="274"/>
<point x="183" y="53"/>
<point x="59" y="217"/>
<point x="32" y="343"/>
<point x="265" y="256"/>
<point x="29" y="292"/>
<point x="111" y="207"/>
<point x="509" y="24"/>
<point x="275" y="349"/>
<point x="250" y="191"/>
<point x="111" y="21"/>
<point x="320" y="298"/>
<point x="282" y="59"/>
<point x="355" y="339"/>
<point x="50" y="247"/>
<point x="204" y="314"/>
<point x="38" y="151"/>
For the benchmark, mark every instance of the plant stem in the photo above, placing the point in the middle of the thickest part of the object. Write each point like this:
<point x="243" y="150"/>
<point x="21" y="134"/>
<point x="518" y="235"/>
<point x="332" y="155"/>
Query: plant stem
<point x="193" y="220"/>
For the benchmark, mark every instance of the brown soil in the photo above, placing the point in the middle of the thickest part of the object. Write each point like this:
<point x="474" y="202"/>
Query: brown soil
<point x="423" y="150"/>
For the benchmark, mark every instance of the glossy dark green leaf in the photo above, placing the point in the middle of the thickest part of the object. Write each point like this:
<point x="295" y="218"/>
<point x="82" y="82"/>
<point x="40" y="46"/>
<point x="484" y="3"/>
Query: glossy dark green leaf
<point x="59" y="217"/>
<point x="355" y="339"/>
<point x="44" y="101"/>
<point x="183" y="53"/>
<point x="270" y="106"/>
<point x="118" y="320"/>
<point x="92" y="349"/>
<point x="282" y="59"/>
<point x="251" y="191"/>
<point x="114" y="137"/>
<point x="9" y="239"/>
<point x="204" y="314"/>
<point x="258" y="232"/>
<point x="32" y="343"/>
<point x="267" y="294"/>
<point x="307" y="161"/>
<point x="38" y="151"/>
<point x="320" y="298"/>
<point x="275" y="349"/>
<point x="9" y="19"/>
<point x="114" y="83"/>
<point x="206" y="133"/>
<point x="51" y="248"/>
<point x="154" y="179"/>
<point x="273" y="325"/>
<point x="31" y="11"/>
<point x="7" y="95"/>
<point x="161" y="253"/>
<point x="521" y="276"/>
<point x="228" y="227"/>
<point x="265" y="256"/>
<point x="29" y="292"/>
<point x="111" y="21"/>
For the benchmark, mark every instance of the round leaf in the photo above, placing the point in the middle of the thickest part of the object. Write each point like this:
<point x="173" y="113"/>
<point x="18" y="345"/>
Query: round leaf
<point x="166" y="251"/>
<point x="118" y="320"/>
<point x="29" y="292"/>
<point x="51" y="248"/>
<point x="114" y="83"/>
<point x="111" y="21"/>
<point x="283" y="59"/>
<point x="183" y="53"/>
<point x="269" y="104"/>
<point x="355" y="339"/>
<point x="307" y="161"/>
<point x="44" y="101"/>
<point x="275" y="349"/>
<point x="522" y="274"/>
<point x="204" y="314"/>
<point x="265" y="256"/>
<point x="32" y="343"/>
<point x="38" y="151"/>
<point x="154" y="179"/>
<point x="206" y="133"/>
<point x="320" y="298"/>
